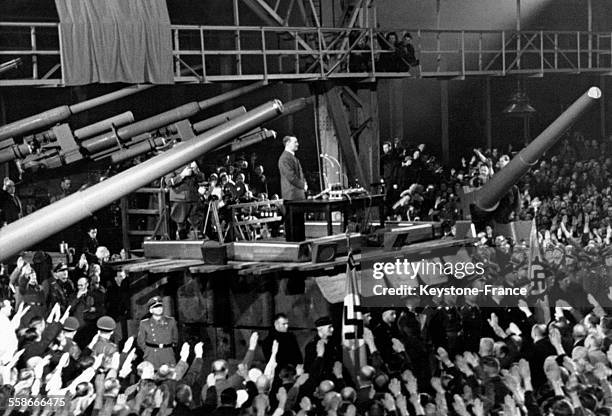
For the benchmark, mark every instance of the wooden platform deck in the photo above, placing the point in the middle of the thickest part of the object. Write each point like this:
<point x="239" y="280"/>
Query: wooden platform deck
<point x="259" y="268"/>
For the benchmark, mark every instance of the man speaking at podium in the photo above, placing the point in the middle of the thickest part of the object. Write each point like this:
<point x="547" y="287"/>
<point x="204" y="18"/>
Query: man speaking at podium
<point x="293" y="187"/>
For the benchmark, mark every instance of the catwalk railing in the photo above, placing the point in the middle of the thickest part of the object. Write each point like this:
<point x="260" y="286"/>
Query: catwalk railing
<point x="237" y="53"/>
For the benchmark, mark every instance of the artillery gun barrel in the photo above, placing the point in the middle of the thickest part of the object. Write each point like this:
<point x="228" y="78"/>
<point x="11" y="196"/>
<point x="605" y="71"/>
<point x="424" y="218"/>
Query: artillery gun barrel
<point x="16" y="151"/>
<point x="53" y="218"/>
<point x="55" y="115"/>
<point x="211" y="122"/>
<point x="138" y="149"/>
<point x="493" y="191"/>
<point x="104" y="125"/>
<point x="104" y="141"/>
<point x="146" y="143"/>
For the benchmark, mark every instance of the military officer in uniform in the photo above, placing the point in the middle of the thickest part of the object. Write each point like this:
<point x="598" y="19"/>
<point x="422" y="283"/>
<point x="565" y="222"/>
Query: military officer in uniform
<point x="101" y="342"/>
<point x="158" y="335"/>
<point x="66" y="344"/>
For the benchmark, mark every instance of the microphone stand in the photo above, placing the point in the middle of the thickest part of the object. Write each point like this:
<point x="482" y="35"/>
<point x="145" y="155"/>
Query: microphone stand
<point x="341" y="174"/>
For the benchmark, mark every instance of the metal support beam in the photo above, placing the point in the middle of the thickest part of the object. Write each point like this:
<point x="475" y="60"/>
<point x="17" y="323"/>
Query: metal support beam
<point x="590" y="30"/>
<point x="602" y="107"/>
<point x="317" y="21"/>
<point x="375" y="135"/>
<point x="303" y="13"/>
<point x="444" y="120"/>
<point x="4" y="167"/>
<point x="237" y="37"/>
<point x="518" y="33"/>
<point x="369" y="139"/>
<point x="343" y="132"/>
<point x="397" y="108"/>
<point x="488" y="116"/>
<point x="268" y="15"/>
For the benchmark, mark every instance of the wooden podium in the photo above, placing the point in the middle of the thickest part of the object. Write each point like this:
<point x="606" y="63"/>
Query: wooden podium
<point x="295" y="210"/>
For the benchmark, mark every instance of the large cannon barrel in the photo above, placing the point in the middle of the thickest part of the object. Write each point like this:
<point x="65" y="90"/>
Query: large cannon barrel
<point x="104" y="141"/>
<point x="488" y="197"/>
<point x="146" y="143"/>
<point x="211" y="122"/>
<point x="137" y="149"/>
<point x="104" y="125"/>
<point x="251" y="139"/>
<point x="55" y="115"/>
<point x="296" y="105"/>
<point x="20" y="151"/>
<point x="53" y="218"/>
<point x="16" y="151"/>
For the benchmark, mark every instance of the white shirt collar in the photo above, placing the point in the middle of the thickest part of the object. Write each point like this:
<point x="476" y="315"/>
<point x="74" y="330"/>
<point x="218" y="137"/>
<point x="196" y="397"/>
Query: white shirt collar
<point x="289" y="151"/>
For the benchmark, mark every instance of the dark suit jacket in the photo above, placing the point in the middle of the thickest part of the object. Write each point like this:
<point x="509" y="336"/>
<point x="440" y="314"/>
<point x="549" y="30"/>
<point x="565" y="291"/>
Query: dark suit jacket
<point x="292" y="177"/>
<point x="11" y="208"/>
<point x="288" y="348"/>
<point x="184" y="189"/>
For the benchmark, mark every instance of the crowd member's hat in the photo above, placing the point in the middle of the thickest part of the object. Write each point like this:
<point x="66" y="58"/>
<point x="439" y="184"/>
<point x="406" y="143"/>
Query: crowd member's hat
<point x="323" y="321"/>
<point x="155" y="301"/>
<point x="106" y="323"/>
<point x="60" y="267"/>
<point x="71" y="324"/>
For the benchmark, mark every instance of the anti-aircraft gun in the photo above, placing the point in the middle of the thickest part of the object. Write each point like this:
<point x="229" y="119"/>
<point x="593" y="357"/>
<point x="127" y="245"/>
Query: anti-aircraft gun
<point x="495" y="200"/>
<point x="38" y="122"/>
<point x="10" y="150"/>
<point x="53" y="218"/>
<point x="62" y="146"/>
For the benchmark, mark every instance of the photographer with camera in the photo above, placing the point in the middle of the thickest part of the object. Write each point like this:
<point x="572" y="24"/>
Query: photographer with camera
<point x="185" y="198"/>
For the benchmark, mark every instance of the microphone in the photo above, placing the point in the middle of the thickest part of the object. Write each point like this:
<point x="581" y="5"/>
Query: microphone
<point x="341" y="174"/>
<point x="326" y="157"/>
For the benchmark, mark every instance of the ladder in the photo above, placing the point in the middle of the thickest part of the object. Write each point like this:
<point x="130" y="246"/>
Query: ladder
<point x="144" y="215"/>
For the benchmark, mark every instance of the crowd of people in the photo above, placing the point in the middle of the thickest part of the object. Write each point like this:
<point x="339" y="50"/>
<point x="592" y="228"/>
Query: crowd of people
<point x="393" y="54"/>
<point x="465" y="357"/>
<point x="65" y="349"/>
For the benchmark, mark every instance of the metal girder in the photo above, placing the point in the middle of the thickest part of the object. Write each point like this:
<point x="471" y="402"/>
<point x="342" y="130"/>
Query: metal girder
<point x="343" y="132"/>
<point x="265" y="12"/>
<point x="314" y="13"/>
<point x="361" y="128"/>
<point x="302" y="10"/>
<point x="352" y="96"/>
<point x="268" y="15"/>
